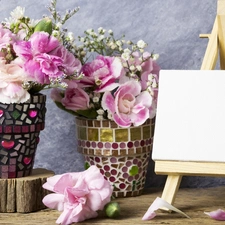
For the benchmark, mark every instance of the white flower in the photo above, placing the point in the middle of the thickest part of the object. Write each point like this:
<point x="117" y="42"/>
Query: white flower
<point x="125" y="56"/>
<point x="18" y="13"/>
<point x="58" y="25"/>
<point x="100" y="38"/>
<point x="141" y="44"/>
<point x="154" y="84"/>
<point x="150" y="77"/>
<point x="93" y="34"/>
<point x="119" y="43"/>
<point x="99" y="117"/>
<point x="127" y="50"/>
<point x="155" y="56"/>
<point x="89" y="31"/>
<point x="113" y="46"/>
<point x="110" y="116"/>
<point x="56" y="33"/>
<point x="95" y="99"/>
<point x="70" y="36"/>
<point x="100" y="29"/>
<point x="100" y="111"/>
<point x="138" y="67"/>
<point x="110" y="31"/>
<point x="132" y="67"/>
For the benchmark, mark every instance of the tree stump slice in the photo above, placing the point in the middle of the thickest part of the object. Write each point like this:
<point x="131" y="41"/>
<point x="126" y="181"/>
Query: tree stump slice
<point x="24" y="194"/>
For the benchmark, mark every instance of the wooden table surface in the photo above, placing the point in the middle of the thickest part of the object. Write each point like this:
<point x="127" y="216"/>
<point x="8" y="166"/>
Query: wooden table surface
<point x="193" y="202"/>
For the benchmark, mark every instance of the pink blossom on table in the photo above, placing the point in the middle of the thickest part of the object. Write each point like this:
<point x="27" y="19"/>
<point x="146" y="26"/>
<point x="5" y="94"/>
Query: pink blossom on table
<point x="70" y="64"/>
<point x="102" y="72"/>
<point x="128" y="105"/>
<point x="218" y="214"/>
<point x="11" y="78"/>
<point x="75" y="98"/>
<point x="78" y="195"/>
<point x="159" y="203"/>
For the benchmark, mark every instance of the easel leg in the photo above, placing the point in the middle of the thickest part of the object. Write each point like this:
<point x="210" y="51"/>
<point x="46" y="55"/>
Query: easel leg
<point x="171" y="187"/>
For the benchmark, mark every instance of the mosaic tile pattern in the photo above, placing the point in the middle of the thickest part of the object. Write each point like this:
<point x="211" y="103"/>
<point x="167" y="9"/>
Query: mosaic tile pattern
<point x="121" y="154"/>
<point x="20" y="125"/>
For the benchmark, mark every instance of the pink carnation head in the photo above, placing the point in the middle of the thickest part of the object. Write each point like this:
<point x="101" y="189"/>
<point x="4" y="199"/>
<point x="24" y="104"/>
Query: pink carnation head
<point x="128" y="105"/>
<point x="78" y="195"/>
<point x="103" y="72"/>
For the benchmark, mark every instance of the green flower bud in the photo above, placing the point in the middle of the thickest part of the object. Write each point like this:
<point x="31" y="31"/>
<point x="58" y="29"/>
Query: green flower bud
<point x="112" y="209"/>
<point x="44" y="25"/>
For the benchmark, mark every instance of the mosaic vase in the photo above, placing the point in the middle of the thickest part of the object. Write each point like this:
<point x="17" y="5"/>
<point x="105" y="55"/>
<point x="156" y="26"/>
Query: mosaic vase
<point x="20" y="125"/>
<point x="121" y="154"/>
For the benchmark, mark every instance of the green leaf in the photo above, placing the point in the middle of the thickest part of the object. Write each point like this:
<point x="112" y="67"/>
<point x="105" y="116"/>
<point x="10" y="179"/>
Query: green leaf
<point x="44" y="25"/>
<point x="88" y="113"/>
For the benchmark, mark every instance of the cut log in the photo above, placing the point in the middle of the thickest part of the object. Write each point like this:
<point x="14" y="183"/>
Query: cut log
<point x="24" y="194"/>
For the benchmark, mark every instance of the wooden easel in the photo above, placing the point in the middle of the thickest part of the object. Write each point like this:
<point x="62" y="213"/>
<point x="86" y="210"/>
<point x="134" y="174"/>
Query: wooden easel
<point x="174" y="169"/>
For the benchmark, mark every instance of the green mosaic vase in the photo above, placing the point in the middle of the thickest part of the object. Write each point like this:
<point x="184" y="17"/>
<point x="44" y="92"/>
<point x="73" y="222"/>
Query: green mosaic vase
<point x="20" y="125"/>
<point x="121" y="154"/>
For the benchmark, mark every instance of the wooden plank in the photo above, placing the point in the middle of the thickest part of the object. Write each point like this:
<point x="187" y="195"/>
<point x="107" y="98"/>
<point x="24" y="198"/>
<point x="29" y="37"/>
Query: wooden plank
<point x="211" y="53"/>
<point x="194" y="202"/>
<point x="24" y="194"/>
<point x="190" y="168"/>
<point x="171" y="187"/>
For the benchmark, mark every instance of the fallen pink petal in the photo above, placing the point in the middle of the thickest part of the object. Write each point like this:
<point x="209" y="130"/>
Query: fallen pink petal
<point x="218" y="214"/>
<point x="159" y="203"/>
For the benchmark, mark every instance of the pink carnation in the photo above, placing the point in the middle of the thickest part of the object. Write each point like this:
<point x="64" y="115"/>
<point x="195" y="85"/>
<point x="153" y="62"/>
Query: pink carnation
<point x="70" y="64"/>
<point x="102" y="72"/>
<point x="11" y="78"/>
<point x="75" y="98"/>
<point x="78" y="195"/>
<point x="40" y="62"/>
<point x="128" y="105"/>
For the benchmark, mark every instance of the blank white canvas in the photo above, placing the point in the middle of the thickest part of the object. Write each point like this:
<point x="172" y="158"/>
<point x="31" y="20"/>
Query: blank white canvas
<point x="190" y="120"/>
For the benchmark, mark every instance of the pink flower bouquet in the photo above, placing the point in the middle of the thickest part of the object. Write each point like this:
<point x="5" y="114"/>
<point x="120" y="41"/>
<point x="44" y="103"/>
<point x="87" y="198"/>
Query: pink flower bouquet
<point x="33" y="55"/>
<point x="120" y="82"/>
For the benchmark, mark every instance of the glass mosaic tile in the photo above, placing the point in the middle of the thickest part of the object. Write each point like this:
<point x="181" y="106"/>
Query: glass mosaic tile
<point x="15" y="114"/>
<point x="135" y="133"/>
<point x="106" y="135"/>
<point x="4" y="160"/>
<point x="8" y="122"/>
<point x="7" y="115"/>
<point x="6" y="137"/>
<point x="121" y="135"/>
<point x="10" y="107"/>
<point x="93" y="134"/>
<point x="19" y="123"/>
<point x="19" y="107"/>
<point x="3" y="152"/>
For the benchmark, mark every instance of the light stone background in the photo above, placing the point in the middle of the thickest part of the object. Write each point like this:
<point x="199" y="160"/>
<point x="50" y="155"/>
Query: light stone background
<point x="170" y="27"/>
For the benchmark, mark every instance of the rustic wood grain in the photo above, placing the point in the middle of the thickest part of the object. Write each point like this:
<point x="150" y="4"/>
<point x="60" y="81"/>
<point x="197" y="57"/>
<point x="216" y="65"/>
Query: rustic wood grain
<point x="24" y="194"/>
<point x="193" y="202"/>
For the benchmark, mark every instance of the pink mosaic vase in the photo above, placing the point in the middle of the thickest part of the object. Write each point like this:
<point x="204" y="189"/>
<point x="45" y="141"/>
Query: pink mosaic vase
<point x="121" y="154"/>
<point x="20" y="125"/>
